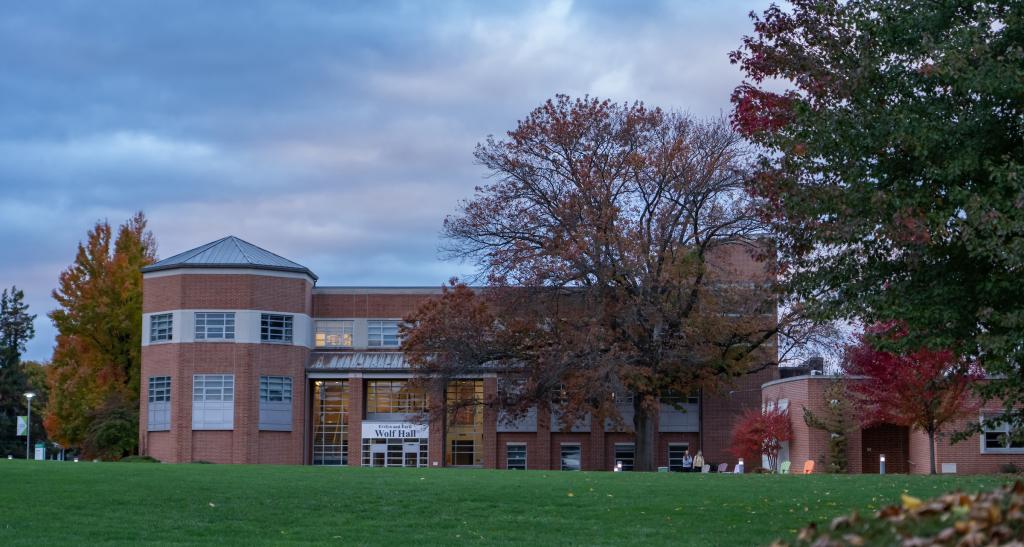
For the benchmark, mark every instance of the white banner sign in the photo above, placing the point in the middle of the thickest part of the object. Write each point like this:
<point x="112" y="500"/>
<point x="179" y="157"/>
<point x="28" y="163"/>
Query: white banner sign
<point x="22" y="426"/>
<point x="395" y="430"/>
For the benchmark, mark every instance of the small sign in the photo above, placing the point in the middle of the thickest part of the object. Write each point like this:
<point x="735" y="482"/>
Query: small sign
<point x="395" y="430"/>
<point x="22" y="426"/>
<point x="40" y="451"/>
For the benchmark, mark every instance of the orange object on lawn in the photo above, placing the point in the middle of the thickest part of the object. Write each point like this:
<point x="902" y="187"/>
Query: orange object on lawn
<point x="808" y="467"/>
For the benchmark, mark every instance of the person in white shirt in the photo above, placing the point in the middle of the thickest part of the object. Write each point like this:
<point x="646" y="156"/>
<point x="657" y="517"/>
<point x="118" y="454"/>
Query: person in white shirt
<point x="687" y="462"/>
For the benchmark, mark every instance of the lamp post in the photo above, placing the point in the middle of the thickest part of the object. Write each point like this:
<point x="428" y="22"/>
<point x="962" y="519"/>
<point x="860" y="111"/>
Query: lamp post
<point x="28" y="430"/>
<point x="881" y="464"/>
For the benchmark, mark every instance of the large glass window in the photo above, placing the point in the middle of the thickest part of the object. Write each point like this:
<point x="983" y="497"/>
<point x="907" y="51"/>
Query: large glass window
<point x="276" y="389"/>
<point x="1002" y="438"/>
<point x="213" y="401"/>
<point x="276" y="327"/>
<point x="515" y="456"/>
<point x="160" y="327"/>
<point x="382" y="333"/>
<point x="465" y="422"/>
<point x="572" y="456"/>
<point x="159" y="404"/>
<point x="330" y="422"/>
<point x="676" y="453"/>
<point x="333" y="334"/>
<point x="625" y="453"/>
<point x="393" y="396"/>
<point x="215" y="325"/>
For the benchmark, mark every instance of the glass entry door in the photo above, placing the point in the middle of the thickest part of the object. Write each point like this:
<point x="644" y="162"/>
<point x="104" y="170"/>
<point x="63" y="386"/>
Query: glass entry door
<point x="395" y="452"/>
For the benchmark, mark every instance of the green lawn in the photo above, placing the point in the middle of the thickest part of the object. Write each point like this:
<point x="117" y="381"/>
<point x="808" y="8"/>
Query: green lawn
<point x="64" y="502"/>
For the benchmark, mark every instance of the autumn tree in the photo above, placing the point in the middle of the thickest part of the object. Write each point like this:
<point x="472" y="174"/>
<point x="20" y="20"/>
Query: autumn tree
<point x="16" y="329"/>
<point x="762" y="433"/>
<point x="923" y="389"/>
<point x="891" y="164"/>
<point x="609" y="240"/>
<point x="94" y="374"/>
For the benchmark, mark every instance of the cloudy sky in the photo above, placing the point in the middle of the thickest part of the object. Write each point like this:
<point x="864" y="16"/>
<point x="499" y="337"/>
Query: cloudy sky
<point x="336" y="134"/>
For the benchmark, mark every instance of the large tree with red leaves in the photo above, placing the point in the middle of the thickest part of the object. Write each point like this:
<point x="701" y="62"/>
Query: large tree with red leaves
<point x="889" y="135"/>
<point x="761" y="433"/>
<point x="609" y="237"/>
<point x="923" y="389"/>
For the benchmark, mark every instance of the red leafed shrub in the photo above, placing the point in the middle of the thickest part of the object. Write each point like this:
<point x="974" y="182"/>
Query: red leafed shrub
<point x="762" y="432"/>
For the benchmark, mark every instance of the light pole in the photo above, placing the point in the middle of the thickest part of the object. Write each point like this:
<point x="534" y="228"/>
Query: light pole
<point x="28" y="430"/>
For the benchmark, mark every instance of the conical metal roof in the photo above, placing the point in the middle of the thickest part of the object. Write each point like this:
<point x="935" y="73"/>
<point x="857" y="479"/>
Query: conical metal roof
<point x="229" y="252"/>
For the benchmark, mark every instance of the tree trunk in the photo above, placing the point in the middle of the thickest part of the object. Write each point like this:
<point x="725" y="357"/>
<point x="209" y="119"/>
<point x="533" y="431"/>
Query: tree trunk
<point x="931" y="451"/>
<point x="644" y="423"/>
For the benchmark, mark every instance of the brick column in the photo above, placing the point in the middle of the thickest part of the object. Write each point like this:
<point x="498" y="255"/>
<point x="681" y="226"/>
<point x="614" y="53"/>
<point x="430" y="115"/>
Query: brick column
<point x="355" y="420"/>
<point x="490" y="436"/>
<point x="435" y="445"/>
<point x="597" y="445"/>
<point x="539" y="455"/>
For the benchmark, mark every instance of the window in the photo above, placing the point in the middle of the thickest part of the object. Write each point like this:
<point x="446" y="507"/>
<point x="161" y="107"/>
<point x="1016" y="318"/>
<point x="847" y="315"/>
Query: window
<point x="676" y="453"/>
<point x="393" y="396"/>
<point x="330" y="422"/>
<point x="465" y="422"/>
<point x="382" y="334"/>
<point x="160" y="327"/>
<point x="463" y="452"/>
<point x="572" y="455"/>
<point x="1001" y="438"/>
<point x="673" y="398"/>
<point x="515" y="456"/>
<point x="215" y="325"/>
<point x="625" y="453"/>
<point x="159" y="404"/>
<point x="213" y="401"/>
<point x="276" y="328"/>
<point x="276" y="403"/>
<point x="333" y="334"/>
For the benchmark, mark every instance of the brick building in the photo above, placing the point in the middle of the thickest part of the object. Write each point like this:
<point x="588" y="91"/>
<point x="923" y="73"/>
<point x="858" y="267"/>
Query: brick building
<point x="245" y="359"/>
<point x="905" y="450"/>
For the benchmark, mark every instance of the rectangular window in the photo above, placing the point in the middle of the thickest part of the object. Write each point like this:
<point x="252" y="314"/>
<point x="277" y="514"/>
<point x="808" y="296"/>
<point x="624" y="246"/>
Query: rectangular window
<point x="393" y="397"/>
<point x="515" y="456"/>
<point x="382" y="334"/>
<point x="215" y="325"/>
<point x="159" y="404"/>
<point x="625" y="453"/>
<point x="213" y="401"/>
<point x="572" y="456"/>
<point x="160" y="389"/>
<point x="463" y="452"/>
<point x="1002" y="439"/>
<point x="676" y="453"/>
<point x="276" y="403"/>
<point x="276" y="327"/>
<point x="675" y="399"/>
<point x="160" y="327"/>
<point x="333" y="334"/>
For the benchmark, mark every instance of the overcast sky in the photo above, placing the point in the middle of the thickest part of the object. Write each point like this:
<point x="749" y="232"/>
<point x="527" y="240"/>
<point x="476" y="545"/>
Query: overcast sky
<point x="337" y="135"/>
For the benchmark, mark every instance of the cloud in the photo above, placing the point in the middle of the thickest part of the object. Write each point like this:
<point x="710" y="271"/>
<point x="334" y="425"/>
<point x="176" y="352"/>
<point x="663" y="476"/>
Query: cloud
<point x="336" y="134"/>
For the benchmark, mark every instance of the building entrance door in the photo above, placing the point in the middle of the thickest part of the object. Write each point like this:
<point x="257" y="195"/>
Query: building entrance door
<point x="395" y="452"/>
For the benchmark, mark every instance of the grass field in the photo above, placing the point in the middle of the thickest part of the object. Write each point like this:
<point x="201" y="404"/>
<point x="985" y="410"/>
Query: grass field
<point x="61" y="502"/>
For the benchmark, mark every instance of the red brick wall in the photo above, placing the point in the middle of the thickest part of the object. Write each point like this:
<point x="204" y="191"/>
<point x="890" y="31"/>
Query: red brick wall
<point x="213" y="447"/>
<point x="226" y="291"/>
<point x="355" y="422"/>
<point x="366" y="305"/>
<point x="720" y="412"/>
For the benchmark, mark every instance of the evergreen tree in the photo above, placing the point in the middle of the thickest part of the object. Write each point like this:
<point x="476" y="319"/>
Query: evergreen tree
<point x="16" y="329"/>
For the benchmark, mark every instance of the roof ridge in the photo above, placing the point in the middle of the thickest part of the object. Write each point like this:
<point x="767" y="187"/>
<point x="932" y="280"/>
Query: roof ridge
<point x="235" y="240"/>
<point x="185" y="255"/>
<point x="267" y="251"/>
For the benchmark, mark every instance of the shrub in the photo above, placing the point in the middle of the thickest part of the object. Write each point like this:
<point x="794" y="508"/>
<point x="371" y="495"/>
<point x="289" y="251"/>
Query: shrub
<point x="1009" y="468"/>
<point x="202" y="461"/>
<point x="139" y="459"/>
